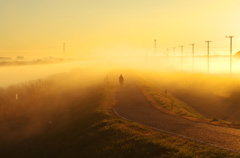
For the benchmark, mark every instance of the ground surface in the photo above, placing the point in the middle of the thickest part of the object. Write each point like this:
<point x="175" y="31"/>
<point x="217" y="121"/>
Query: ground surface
<point x="133" y="105"/>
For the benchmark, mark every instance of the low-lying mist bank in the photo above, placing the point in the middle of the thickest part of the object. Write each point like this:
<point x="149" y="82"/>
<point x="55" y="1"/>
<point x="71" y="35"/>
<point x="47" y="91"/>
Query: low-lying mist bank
<point x="46" y="118"/>
<point x="32" y="107"/>
<point x="24" y="73"/>
<point x="212" y="95"/>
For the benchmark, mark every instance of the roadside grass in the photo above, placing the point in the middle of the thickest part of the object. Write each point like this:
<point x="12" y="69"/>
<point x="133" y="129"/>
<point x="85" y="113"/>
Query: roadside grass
<point x="165" y="101"/>
<point x="72" y="119"/>
<point x="170" y="104"/>
<point x="134" y="140"/>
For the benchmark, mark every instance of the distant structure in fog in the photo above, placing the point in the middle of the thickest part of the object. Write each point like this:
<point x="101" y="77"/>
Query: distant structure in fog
<point x="182" y="55"/>
<point x="63" y="49"/>
<point x="174" y="51"/>
<point x="20" y="57"/>
<point x="208" y="52"/>
<point x="155" y="47"/>
<point x="230" y="53"/>
<point x="192" y="56"/>
<point x="5" y="58"/>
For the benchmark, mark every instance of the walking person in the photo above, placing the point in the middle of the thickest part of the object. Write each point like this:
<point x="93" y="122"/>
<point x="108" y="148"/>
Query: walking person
<point x="121" y="80"/>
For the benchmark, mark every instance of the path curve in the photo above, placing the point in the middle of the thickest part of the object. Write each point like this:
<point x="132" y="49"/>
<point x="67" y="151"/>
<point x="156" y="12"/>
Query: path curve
<point x="133" y="106"/>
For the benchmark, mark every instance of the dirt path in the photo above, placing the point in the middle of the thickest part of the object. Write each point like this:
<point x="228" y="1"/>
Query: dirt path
<point x="134" y="106"/>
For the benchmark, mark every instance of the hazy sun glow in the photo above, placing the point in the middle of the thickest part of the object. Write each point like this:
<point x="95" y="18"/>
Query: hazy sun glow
<point x="39" y="28"/>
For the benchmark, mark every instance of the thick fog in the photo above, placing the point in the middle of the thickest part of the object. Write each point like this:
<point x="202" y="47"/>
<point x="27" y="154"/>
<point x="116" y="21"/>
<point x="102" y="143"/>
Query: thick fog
<point x="39" y="94"/>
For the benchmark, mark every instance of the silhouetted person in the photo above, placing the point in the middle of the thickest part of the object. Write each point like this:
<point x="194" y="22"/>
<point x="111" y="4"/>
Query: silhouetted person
<point x="121" y="80"/>
<point x="106" y="79"/>
<point x="165" y="92"/>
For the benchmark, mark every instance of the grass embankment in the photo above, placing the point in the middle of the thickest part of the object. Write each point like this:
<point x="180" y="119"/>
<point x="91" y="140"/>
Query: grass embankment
<point x="74" y="119"/>
<point x="187" y="85"/>
<point x="165" y="101"/>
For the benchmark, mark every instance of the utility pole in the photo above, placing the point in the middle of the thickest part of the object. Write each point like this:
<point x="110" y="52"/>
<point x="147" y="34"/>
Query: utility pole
<point x="182" y="55"/>
<point x="174" y="54"/>
<point x="230" y="53"/>
<point x="155" y="47"/>
<point x="167" y="56"/>
<point x="63" y="49"/>
<point x="174" y="51"/>
<point x="208" y="52"/>
<point x="192" y="56"/>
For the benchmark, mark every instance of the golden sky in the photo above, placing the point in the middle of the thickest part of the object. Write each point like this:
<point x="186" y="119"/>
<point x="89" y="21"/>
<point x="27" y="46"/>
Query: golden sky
<point x="40" y="27"/>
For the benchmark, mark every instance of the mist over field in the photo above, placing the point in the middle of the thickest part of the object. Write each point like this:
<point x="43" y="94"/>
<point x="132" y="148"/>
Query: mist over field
<point x="213" y="93"/>
<point x="61" y="94"/>
<point x="45" y="102"/>
<point x="29" y="108"/>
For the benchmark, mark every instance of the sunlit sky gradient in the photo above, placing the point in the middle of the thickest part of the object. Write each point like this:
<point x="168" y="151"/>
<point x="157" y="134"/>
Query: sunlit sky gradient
<point x="95" y="27"/>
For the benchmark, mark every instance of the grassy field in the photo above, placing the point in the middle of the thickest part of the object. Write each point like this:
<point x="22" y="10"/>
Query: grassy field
<point x="73" y="118"/>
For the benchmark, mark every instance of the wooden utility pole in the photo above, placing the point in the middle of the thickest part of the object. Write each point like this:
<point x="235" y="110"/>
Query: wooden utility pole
<point x="230" y="53"/>
<point x="208" y="52"/>
<point x="182" y="55"/>
<point x="192" y="56"/>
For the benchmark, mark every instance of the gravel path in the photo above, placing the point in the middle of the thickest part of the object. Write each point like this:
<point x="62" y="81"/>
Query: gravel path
<point x="133" y="105"/>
